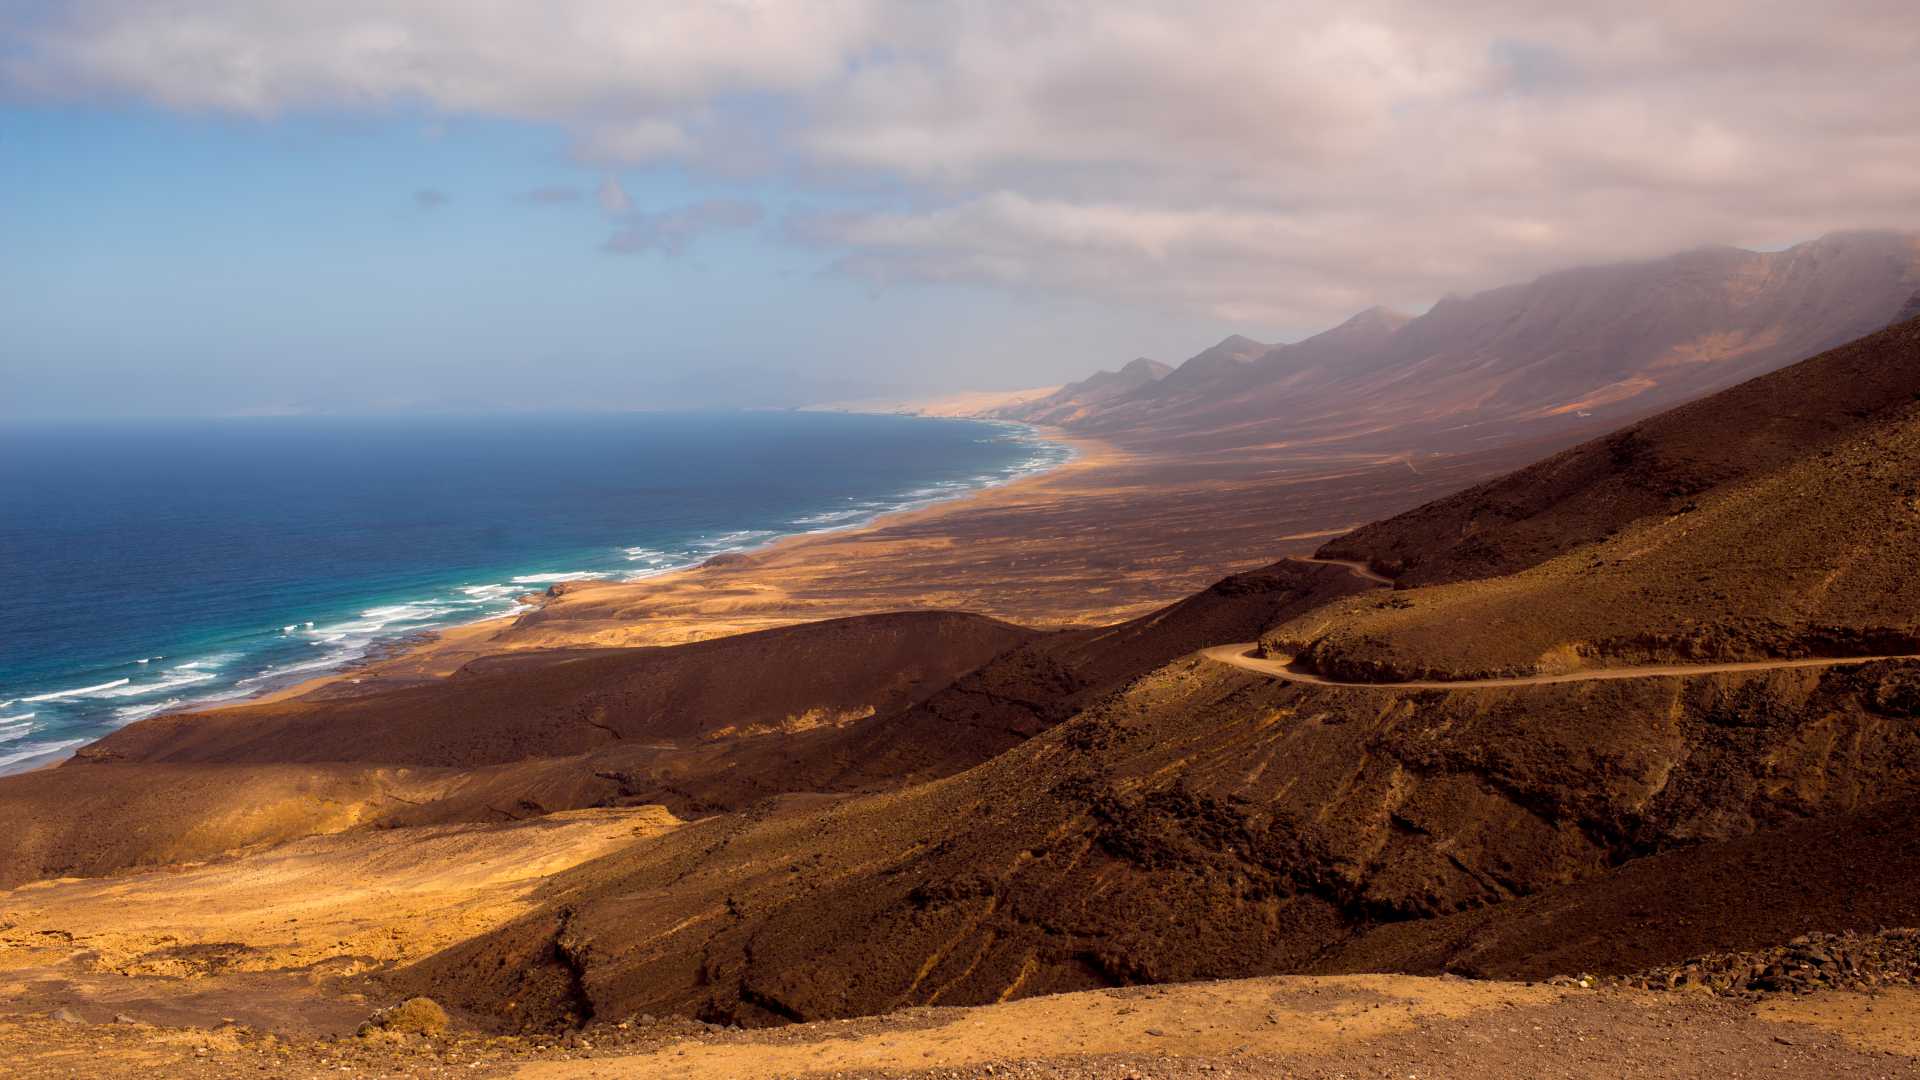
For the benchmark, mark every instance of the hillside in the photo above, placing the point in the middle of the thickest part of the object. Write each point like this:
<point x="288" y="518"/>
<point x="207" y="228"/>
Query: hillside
<point x="1077" y="400"/>
<point x="873" y="702"/>
<point x="1779" y="518"/>
<point x="845" y="818"/>
<point x="1569" y="353"/>
<point x="1200" y="824"/>
<point x="832" y="673"/>
<point x="1204" y="822"/>
<point x="1650" y="469"/>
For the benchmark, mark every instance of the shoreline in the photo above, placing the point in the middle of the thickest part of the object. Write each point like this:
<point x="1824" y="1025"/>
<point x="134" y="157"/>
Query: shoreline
<point x="440" y="652"/>
<point x="1105" y="535"/>
<point x="436" y="653"/>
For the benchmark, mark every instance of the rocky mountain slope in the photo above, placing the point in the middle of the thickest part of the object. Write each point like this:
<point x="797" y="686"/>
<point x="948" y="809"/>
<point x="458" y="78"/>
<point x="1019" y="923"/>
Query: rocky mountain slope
<point x="863" y="703"/>
<point x="1549" y="359"/>
<point x="1780" y="518"/>
<point x="1204" y="822"/>
<point x="1076" y="400"/>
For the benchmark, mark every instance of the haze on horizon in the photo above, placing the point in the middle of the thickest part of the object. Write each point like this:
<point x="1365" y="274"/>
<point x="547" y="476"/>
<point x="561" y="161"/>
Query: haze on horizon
<point x="222" y="206"/>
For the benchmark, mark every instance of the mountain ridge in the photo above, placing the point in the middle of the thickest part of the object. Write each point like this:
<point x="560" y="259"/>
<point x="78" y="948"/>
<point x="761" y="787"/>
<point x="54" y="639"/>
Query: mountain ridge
<point x="1567" y="353"/>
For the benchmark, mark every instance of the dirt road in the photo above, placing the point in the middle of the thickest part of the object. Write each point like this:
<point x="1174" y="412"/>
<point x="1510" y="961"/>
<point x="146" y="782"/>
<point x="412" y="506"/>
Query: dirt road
<point x="1242" y="655"/>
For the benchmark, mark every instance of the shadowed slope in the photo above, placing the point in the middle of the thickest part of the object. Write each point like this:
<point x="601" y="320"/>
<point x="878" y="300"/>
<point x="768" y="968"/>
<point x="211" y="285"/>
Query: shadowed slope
<point x="1852" y="872"/>
<point x="73" y="822"/>
<point x="1777" y="519"/>
<point x="1651" y="469"/>
<point x="829" y="673"/>
<point x="1203" y="823"/>
<point x="845" y="705"/>
<point x="696" y="727"/>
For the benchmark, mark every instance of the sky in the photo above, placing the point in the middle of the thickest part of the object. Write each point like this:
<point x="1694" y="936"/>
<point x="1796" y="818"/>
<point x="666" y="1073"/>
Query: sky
<point x="264" y="206"/>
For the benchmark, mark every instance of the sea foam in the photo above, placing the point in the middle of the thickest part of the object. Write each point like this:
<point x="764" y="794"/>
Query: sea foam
<point x="160" y="686"/>
<point x="38" y="749"/>
<point x="79" y="691"/>
<point x="569" y="575"/>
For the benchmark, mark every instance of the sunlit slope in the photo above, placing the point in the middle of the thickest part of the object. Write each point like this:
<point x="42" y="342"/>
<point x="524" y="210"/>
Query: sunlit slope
<point x="1777" y="519"/>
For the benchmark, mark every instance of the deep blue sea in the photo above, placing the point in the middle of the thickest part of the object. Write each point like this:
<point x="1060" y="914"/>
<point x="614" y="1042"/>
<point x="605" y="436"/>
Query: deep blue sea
<point x="155" y="565"/>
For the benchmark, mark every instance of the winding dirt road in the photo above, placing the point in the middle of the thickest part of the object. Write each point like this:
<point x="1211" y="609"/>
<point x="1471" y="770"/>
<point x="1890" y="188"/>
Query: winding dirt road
<point x="1357" y="569"/>
<point x="1280" y="668"/>
<point x="1242" y="656"/>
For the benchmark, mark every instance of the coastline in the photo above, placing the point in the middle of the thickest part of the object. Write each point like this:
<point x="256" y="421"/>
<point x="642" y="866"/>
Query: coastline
<point x="435" y="651"/>
<point x="1107" y="535"/>
<point x="441" y="652"/>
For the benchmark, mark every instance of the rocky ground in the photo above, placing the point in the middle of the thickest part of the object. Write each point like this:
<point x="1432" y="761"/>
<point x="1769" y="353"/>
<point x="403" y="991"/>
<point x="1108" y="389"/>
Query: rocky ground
<point x="1378" y="1026"/>
<point x="1808" y="963"/>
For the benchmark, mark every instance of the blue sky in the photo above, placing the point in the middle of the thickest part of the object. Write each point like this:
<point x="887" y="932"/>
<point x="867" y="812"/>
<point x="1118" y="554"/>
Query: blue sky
<point x="246" y="206"/>
<point x="162" y="262"/>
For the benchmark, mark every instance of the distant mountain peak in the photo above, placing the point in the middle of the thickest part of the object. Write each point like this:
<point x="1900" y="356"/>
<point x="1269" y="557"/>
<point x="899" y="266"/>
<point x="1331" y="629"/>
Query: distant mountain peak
<point x="1144" y="369"/>
<point x="1374" y="320"/>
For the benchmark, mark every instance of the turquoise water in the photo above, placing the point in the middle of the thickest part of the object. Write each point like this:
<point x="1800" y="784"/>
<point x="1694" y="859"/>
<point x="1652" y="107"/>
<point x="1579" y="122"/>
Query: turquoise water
<point x="158" y="565"/>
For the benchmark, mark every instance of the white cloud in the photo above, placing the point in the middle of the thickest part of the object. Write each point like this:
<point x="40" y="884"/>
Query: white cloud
<point x="1278" y="162"/>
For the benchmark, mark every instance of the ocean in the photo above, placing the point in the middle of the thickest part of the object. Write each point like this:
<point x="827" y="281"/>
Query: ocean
<point x="158" y="565"/>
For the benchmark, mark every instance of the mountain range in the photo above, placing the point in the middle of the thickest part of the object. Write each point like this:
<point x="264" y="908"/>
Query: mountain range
<point x="1571" y="352"/>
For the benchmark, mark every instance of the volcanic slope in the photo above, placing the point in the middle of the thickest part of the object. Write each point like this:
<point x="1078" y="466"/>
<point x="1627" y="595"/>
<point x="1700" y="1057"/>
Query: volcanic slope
<point x="1205" y="822"/>
<point x="860" y="704"/>
<point x="560" y="703"/>
<point x="1547" y="359"/>
<point x="1777" y="519"/>
<point x="503" y="739"/>
<point x="1079" y="399"/>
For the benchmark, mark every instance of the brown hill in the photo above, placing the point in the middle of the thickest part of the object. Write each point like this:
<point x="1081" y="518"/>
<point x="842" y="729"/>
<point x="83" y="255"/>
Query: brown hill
<point x="508" y="738"/>
<point x="1549" y="359"/>
<point x="859" y="704"/>
<point x="1204" y="822"/>
<point x="825" y="674"/>
<point x="81" y="822"/>
<point x="1652" y="469"/>
<point x="1076" y="400"/>
<point x="1850" y="872"/>
<point x="1780" y="518"/>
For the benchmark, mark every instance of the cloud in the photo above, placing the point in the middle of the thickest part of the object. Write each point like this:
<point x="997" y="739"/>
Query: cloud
<point x="430" y="199"/>
<point x="1271" y="162"/>
<point x="613" y="198"/>
<point x="674" y="231"/>
<point x="552" y="195"/>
